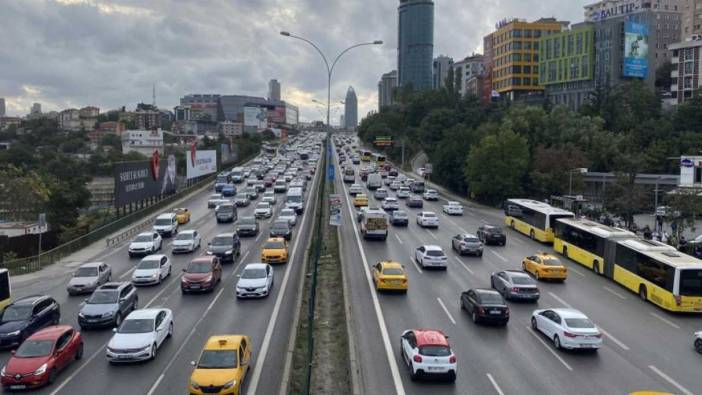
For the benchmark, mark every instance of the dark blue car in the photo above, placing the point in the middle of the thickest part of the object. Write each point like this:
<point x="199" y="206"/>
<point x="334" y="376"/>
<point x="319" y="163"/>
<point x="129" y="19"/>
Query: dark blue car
<point x="228" y="190"/>
<point x="26" y="316"/>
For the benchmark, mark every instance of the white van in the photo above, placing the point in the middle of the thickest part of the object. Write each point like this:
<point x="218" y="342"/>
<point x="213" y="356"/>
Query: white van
<point x="295" y="200"/>
<point x="166" y="224"/>
<point x="374" y="182"/>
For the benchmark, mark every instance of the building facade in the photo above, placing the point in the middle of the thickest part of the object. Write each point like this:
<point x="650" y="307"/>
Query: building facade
<point x="273" y="90"/>
<point x="515" y="56"/>
<point x="76" y="120"/>
<point x="439" y="72"/>
<point x="686" y="75"/>
<point x="201" y="107"/>
<point x="386" y="89"/>
<point x="566" y="65"/>
<point x="691" y="18"/>
<point x="144" y="142"/>
<point x="351" y="109"/>
<point x="2" y="107"/>
<point x="479" y="85"/>
<point x="463" y="70"/>
<point x="415" y="50"/>
<point x="36" y="109"/>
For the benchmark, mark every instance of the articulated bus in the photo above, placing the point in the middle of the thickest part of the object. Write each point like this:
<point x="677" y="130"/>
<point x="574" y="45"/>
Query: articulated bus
<point x="656" y="271"/>
<point x="366" y="156"/>
<point x="379" y="159"/>
<point x="532" y="218"/>
<point x="5" y="289"/>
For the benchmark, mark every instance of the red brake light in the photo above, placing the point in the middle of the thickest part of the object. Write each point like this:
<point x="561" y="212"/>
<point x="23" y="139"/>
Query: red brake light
<point x="568" y="334"/>
<point x="417" y="358"/>
<point x="452" y="359"/>
<point x="515" y="289"/>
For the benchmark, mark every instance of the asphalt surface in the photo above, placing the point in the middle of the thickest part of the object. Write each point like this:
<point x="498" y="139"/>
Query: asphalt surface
<point x="645" y="348"/>
<point x="196" y="317"/>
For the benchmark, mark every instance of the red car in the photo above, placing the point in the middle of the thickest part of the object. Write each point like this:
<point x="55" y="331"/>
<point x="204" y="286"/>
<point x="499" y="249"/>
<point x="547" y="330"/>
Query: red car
<point x="40" y="358"/>
<point x="202" y="274"/>
<point x="268" y="181"/>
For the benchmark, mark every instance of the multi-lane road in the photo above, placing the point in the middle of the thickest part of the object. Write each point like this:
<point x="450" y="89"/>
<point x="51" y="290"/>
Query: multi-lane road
<point x="196" y="317"/>
<point x="645" y="348"/>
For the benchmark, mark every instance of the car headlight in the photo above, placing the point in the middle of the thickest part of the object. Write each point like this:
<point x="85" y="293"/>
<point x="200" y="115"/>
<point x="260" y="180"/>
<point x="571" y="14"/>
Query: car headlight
<point x="228" y="252"/>
<point x="229" y="384"/>
<point x="108" y="314"/>
<point x="194" y="384"/>
<point x="81" y="315"/>
<point x="154" y="276"/>
<point x="15" y="333"/>
<point x="41" y="370"/>
<point x="2" y="372"/>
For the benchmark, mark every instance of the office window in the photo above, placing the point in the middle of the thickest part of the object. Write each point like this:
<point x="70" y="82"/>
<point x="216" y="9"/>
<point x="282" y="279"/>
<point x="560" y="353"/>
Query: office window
<point x="517" y="33"/>
<point x="516" y="69"/>
<point x="556" y="48"/>
<point x="579" y="43"/>
<point x="536" y="45"/>
<point x="584" y="68"/>
<point x="571" y="45"/>
<point x="687" y="84"/>
<point x="527" y="69"/>
<point x="527" y="33"/>
<point x="527" y="57"/>
<point x="517" y="57"/>
<point x="516" y="81"/>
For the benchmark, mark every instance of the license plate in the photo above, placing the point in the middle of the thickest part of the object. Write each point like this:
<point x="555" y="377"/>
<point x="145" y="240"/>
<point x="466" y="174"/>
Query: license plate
<point x="195" y="286"/>
<point x="435" y="368"/>
<point x="495" y="312"/>
<point x="18" y="387"/>
<point x="586" y="346"/>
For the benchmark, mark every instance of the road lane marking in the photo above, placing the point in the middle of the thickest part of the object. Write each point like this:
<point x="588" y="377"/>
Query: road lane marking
<point x="174" y="279"/>
<point x="432" y="235"/>
<point x="464" y="266"/>
<point x="484" y="221"/>
<point x="456" y="225"/>
<point x="548" y="347"/>
<point x="499" y="256"/>
<point x="667" y="321"/>
<point x="243" y="258"/>
<point x="494" y="384"/>
<point x="561" y="301"/>
<point x="398" y="238"/>
<point x="127" y="273"/>
<point x="259" y="236"/>
<point x="667" y="378"/>
<point x="615" y="293"/>
<point x="578" y="272"/>
<point x="419" y="269"/>
<point x="443" y="306"/>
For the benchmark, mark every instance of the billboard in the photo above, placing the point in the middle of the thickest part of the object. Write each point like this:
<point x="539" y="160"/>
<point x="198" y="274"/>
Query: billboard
<point x="256" y="116"/>
<point x="200" y="163"/>
<point x="277" y="115"/>
<point x="291" y="114"/>
<point x="135" y="181"/>
<point x="635" y="50"/>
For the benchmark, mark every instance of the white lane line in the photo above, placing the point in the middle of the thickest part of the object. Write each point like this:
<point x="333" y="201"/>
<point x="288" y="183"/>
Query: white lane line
<point x="243" y="258"/>
<point x="485" y="222"/>
<point x="615" y="293"/>
<point x="394" y="370"/>
<point x="561" y="301"/>
<point x="432" y="235"/>
<point x="185" y="343"/>
<point x="175" y="278"/>
<point x="258" y="369"/>
<point x="416" y="265"/>
<point x="443" y="306"/>
<point x="494" y="384"/>
<point x="667" y="378"/>
<point x="667" y="321"/>
<point x="578" y="272"/>
<point x="398" y="238"/>
<point x="499" y="256"/>
<point x="456" y="225"/>
<point x="127" y="273"/>
<point x="464" y="266"/>
<point x="548" y="347"/>
<point x="259" y="236"/>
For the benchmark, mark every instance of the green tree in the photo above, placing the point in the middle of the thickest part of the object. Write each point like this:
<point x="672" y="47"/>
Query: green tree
<point x="552" y="170"/>
<point x="23" y="194"/>
<point x="625" y="197"/>
<point x="663" y="78"/>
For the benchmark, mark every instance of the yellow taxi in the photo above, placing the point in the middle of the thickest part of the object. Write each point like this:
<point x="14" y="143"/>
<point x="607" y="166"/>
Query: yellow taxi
<point x="545" y="266"/>
<point x="222" y="366"/>
<point x="182" y="215"/>
<point x="361" y="200"/>
<point x="389" y="276"/>
<point x="275" y="250"/>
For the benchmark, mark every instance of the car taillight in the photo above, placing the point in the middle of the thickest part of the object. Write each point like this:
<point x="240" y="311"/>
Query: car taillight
<point x="568" y="334"/>
<point x="417" y="359"/>
<point x="515" y="289"/>
<point x="452" y="359"/>
<point x="506" y="312"/>
<point x="481" y="310"/>
<point x="599" y="335"/>
<point x="678" y="300"/>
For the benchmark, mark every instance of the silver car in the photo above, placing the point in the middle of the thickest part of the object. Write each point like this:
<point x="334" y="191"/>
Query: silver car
<point x="88" y="277"/>
<point x="289" y="214"/>
<point x="515" y="285"/>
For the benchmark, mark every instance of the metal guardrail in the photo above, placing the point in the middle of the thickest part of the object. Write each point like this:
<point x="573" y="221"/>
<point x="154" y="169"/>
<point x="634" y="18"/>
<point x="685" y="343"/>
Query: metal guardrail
<point x="127" y="234"/>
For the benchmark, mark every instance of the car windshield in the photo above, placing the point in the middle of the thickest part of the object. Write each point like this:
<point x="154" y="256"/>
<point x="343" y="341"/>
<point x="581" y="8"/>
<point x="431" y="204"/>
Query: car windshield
<point x="103" y="297"/>
<point x="264" y="206"/>
<point x="393" y="271"/>
<point x="221" y="179"/>
<point x="149" y="264"/>
<point x="435" y="253"/>
<point x="579" y="323"/>
<point x="226" y="208"/>
<point x="143" y="239"/>
<point x="35" y="349"/>
<point x="162" y="222"/>
<point x="86" y="272"/>
<point x="287" y="213"/>
<point x="399" y="214"/>
<point x="491" y="298"/>
<point x="217" y="359"/>
<point x="135" y="325"/>
<point x="691" y="282"/>
<point x="17" y="313"/>
<point x="199" y="267"/>
<point x="495" y="231"/>
<point x="294" y="199"/>
<point x="552" y="262"/>
<point x="274" y="245"/>
<point x="185" y="236"/>
<point x="435" y="351"/>
<point x="521" y="280"/>
<point x="247" y="221"/>
<point x="429" y="215"/>
<point x="250" y="190"/>
<point x="471" y="240"/>
<point x="215" y="196"/>
<point x="254" y="273"/>
<point x="222" y="241"/>
<point x="284" y="224"/>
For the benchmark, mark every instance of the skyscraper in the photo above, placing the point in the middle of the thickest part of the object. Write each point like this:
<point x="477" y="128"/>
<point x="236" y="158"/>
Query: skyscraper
<point x="440" y="69"/>
<point x="351" y="109"/>
<point x="415" y="43"/>
<point x="692" y="18"/>
<point x="273" y="90"/>
<point x="2" y="107"/>
<point x="36" y="108"/>
<point x="386" y="88"/>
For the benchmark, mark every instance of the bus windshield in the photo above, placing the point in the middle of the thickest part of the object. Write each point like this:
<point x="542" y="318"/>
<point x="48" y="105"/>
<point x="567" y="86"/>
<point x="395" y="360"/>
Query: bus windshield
<point x="691" y="282"/>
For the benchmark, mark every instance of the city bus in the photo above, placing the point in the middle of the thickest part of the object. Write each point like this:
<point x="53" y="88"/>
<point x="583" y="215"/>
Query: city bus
<point x="379" y="159"/>
<point x="366" y="156"/>
<point x="5" y="289"/>
<point x="532" y="218"/>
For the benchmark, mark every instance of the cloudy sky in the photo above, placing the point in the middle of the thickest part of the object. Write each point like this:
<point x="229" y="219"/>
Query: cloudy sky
<point x="72" y="53"/>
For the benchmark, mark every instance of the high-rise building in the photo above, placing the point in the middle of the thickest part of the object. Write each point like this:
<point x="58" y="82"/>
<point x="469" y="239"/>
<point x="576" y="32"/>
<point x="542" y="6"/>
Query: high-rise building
<point x="515" y="49"/>
<point x="463" y="70"/>
<point x="273" y="90"/>
<point x="386" y="89"/>
<point x="351" y="109"/>
<point x="415" y="44"/>
<point x="686" y="74"/>
<point x="201" y="107"/>
<point x="36" y="109"/>
<point x="342" y="121"/>
<point x="691" y="18"/>
<point x="440" y="69"/>
<point x="2" y="107"/>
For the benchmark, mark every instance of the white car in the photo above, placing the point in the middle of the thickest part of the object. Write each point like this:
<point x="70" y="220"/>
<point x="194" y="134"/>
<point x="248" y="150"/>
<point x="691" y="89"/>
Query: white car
<point x="453" y="208"/>
<point x="289" y="214"/>
<point x="427" y="219"/>
<point x="431" y="194"/>
<point x="395" y="185"/>
<point x="255" y="281"/>
<point x="426" y="352"/>
<point x="698" y="341"/>
<point x="140" y="335"/>
<point x="145" y="243"/>
<point x="389" y="180"/>
<point x="567" y="328"/>
<point x="213" y="200"/>
<point x="430" y="255"/>
<point x="152" y="270"/>
<point x="355" y="189"/>
<point x="403" y="193"/>
<point x="380" y="193"/>
<point x="263" y="210"/>
<point x="390" y="204"/>
<point x="186" y="241"/>
<point x="269" y="197"/>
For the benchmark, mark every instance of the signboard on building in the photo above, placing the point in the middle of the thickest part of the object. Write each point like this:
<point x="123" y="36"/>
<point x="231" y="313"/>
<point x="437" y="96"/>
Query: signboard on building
<point x="135" y="181"/>
<point x="635" y="50"/>
<point x="200" y="163"/>
<point x="277" y="115"/>
<point x="383" y="141"/>
<point x="291" y="115"/>
<point x="605" y="10"/>
<point x="256" y="116"/>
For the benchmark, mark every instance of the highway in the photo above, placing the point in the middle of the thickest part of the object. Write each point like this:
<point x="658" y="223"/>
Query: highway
<point x="267" y="321"/>
<point x="645" y="348"/>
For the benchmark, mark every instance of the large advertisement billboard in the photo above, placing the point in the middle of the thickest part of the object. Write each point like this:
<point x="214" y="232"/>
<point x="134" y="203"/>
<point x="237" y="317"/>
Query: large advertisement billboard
<point x="136" y="181"/>
<point x="200" y="163"/>
<point x="291" y="115"/>
<point x="635" y="50"/>
<point x="277" y="115"/>
<point x="256" y="116"/>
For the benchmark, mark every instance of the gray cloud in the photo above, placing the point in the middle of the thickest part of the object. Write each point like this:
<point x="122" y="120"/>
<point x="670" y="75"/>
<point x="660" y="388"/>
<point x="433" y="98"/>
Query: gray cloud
<point x="66" y="53"/>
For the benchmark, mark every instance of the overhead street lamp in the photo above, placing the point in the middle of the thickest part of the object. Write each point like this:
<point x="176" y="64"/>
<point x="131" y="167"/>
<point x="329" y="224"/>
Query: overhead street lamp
<point x="330" y="68"/>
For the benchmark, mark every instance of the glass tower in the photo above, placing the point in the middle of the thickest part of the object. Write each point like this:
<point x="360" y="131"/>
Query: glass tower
<point x="415" y="44"/>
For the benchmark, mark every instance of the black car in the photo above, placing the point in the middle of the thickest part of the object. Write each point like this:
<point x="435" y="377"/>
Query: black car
<point x="415" y="201"/>
<point x="226" y="246"/>
<point x="515" y="285"/>
<point x="399" y="218"/>
<point x="492" y="234"/>
<point x="25" y="316"/>
<point x="281" y="228"/>
<point x="247" y="226"/>
<point x="485" y="305"/>
<point x="108" y="305"/>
